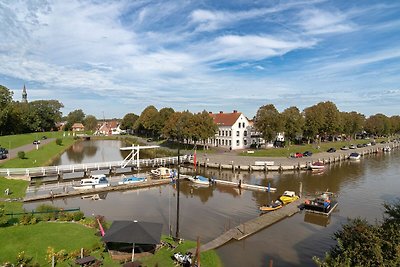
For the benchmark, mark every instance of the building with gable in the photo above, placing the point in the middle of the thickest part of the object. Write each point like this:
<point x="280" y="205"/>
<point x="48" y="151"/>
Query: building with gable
<point x="233" y="130"/>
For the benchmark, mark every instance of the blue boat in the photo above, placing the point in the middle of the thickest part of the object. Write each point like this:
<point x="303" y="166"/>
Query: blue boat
<point x="132" y="180"/>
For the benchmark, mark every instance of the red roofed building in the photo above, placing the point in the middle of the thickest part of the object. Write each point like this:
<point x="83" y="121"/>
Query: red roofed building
<point x="233" y="130"/>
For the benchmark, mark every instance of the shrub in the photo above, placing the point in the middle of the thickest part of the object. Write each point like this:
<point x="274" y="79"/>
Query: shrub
<point x="59" y="141"/>
<point x="52" y="212"/>
<point x="21" y="154"/>
<point x="26" y="219"/>
<point x="78" y="215"/>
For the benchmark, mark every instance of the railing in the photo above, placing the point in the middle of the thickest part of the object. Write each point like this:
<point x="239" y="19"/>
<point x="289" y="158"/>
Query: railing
<point x="90" y="166"/>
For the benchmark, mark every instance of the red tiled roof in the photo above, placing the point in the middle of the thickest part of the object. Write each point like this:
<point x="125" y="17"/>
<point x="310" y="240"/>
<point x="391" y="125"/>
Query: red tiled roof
<point x="78" y="125"/>
<point x="225" y="119"/>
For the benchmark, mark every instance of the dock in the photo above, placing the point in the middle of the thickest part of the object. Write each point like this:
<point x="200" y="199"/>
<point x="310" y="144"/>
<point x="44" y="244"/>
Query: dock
<point x="245" y="186"/>
<point x="254" y="225"/>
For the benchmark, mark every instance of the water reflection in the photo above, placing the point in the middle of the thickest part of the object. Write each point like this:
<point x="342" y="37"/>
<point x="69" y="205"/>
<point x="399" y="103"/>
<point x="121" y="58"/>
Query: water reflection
<point x="208" y="211"/>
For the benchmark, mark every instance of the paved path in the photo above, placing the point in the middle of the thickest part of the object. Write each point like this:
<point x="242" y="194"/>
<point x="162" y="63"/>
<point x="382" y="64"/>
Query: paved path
<point x="13" y="153"/>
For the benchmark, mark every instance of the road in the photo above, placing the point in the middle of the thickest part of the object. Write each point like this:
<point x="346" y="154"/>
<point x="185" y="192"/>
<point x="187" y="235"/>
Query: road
<point x="13" y="153"/>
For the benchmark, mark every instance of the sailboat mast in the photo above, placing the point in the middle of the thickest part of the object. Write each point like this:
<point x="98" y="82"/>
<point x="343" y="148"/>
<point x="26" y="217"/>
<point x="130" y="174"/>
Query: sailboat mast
<point x="177" y="195"/>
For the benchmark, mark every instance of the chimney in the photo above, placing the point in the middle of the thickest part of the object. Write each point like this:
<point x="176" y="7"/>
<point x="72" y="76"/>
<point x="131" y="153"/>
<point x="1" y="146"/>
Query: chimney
<point x="234" y="111"/>
<point x="210" y="112"/>
<point x="221" y="112"/>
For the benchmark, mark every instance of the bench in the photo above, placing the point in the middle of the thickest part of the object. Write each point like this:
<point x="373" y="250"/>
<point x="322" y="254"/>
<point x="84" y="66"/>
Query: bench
<point x="264" y="163"/>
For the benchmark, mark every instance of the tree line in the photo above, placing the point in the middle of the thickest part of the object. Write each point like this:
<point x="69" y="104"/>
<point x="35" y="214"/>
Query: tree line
<point x="321" y="121"/>
<point x="317" y="122"/>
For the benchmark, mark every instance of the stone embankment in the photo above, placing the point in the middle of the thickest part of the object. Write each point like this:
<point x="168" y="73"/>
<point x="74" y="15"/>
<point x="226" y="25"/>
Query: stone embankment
<point x="231" y="161"/>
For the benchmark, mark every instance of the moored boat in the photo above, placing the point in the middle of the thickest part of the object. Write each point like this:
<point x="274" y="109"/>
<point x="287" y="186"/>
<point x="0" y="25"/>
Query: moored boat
<point x="288" y="197"/>
<point x="198" y="179"/>
<point x="163" y="172"/>
<point x="317" y="165"/>
<point x="132" y="180"/>
<point x="325" y="203"/>
<point x="94" y="181"/>
<point x="355" y="156"/>
<point x="387" y="149"/>
<point x="271" y="207"/>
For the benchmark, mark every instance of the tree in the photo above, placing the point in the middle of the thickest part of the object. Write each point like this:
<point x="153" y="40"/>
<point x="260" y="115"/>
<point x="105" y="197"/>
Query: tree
<point x="43" y="114"/>
<point x="293" y="123"/>
<point x="363" y="244"/>
<point x="331" y="118"/>
<point x="128" y="121"/>
<point x="149" y="120"/>
<point x="90" y="123"/>
<point x="353" y="122"/>
<point x="5" y="96"/>
<point x="378" y="124"/>
<point x="395" y="123"/>
<point x="74" y="116"/>
<point x="268" y="121"/>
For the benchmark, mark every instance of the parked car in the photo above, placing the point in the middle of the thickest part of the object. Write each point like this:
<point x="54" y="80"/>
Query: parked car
<point x="149" y="140"/>
<point x="352" y="146"/>
<point x="307" y="154"/>
<point x="36" y="142"/>
<point x="44" y="137"/>
<point x="344" y="148"/>
<point x="360" y="145"/>
<point x="297" y="155"/>
<point x="3" y="155"/>
<point x="331" y="150"/>
<point x="3" y="150"/>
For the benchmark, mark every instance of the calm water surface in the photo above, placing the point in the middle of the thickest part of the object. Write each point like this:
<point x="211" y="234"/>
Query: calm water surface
<point x="361" y="186"/>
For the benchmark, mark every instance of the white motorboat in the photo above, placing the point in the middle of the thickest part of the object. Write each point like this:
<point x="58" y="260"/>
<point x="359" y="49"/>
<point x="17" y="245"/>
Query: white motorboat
<point x="317" y="165"/>
<point x="132" y="180"/>
<point x="387" y="149"/>
<point x="198" y="179"/>
<point x="163" y="172"/>
<point x="355" y="156"/>
<point x="94" y="181"/>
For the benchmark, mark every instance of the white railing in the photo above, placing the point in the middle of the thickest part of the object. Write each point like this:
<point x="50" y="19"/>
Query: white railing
<point x="90" y="166"/>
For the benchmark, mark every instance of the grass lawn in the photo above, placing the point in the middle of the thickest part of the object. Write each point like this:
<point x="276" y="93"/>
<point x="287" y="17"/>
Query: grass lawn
<point x="17" y="189"/>
<point x="163" y="257"/>
<point x="34" y="240"/>
<point x="40" y="157"/>
<point x="14" y="141"/>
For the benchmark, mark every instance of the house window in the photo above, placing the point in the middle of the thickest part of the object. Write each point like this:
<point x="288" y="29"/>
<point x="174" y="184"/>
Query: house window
<point x="244" y="125"/>
<point x="226" y="133"/>
<point x="230" y="142"/>
<point x="245" y="133"/>
<point x="222" y="132"/>
<point x="245" y="142"/>
<point x="230" y="133"/>
<point x="237" y="133"/>
<point x="219" y="132"/>
<point x="237" y="142"/>
<point x="239" y="124"/>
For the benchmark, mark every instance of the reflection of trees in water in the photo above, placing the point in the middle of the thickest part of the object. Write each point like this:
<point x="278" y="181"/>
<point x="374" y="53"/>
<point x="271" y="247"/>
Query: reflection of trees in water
<point x="74" y="153"/>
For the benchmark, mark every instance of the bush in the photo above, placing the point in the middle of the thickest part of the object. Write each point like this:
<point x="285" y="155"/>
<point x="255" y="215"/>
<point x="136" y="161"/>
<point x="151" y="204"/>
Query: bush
<point x="78" y="215"/>
<point x="53" y="212"/>
<point x="59" y="141"/>
<point x="21" y="154"/>
<point x="26" y="219"/>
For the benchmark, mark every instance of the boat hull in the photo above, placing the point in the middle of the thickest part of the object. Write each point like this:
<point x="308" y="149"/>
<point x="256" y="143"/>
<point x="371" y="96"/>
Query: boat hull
<point x="87" y="187"/>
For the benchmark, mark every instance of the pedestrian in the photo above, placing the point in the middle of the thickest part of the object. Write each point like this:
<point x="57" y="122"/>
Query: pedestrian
<point x="240" y="183"/>
<point x="51" y="194"/>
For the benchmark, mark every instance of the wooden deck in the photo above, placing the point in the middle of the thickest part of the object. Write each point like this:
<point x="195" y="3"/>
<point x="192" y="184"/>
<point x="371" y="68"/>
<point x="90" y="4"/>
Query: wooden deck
<point x="250" y="227"/>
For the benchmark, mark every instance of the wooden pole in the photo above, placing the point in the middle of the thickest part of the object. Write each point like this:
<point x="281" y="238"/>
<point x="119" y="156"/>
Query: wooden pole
<point x="133" y="251"/>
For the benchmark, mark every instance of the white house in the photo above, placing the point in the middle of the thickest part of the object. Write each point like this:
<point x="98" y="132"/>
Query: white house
<point x="233" y="130"/>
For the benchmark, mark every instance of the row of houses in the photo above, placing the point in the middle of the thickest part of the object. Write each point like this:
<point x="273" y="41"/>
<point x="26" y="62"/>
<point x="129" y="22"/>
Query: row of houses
<point x="235" y="131"/>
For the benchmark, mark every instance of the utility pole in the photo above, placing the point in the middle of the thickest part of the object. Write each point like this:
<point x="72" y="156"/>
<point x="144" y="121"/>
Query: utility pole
<point x="177" y="195"/>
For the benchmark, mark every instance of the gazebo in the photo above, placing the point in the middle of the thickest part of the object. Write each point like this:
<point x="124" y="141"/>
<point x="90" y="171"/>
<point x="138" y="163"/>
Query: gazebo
<point x="141" y="234"/>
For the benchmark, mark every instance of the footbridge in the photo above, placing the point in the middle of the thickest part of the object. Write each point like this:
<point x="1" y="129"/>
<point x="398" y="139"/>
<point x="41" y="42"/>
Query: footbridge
<point x="85" y="167"/>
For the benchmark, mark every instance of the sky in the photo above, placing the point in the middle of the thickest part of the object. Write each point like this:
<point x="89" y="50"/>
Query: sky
<point x="110" y="58"/>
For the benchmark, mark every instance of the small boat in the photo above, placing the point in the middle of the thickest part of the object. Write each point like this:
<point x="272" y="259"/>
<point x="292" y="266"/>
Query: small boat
<point x="288" y="197"/>
<point x="325" y="203"/>
<point x="271" y="207"/>
<point x="355" y="156"/>
<point x="132" y="180"/>
<point x="387" y="149"/>
<point x="94" y="181"/>
<point x="198" y="179"/>
<point x="163" y="172"/>
<point x="317" y="165"/>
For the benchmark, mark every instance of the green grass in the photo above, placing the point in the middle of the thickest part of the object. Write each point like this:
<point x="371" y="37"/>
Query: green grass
<point x="14" y="141"/>
<point x="34" y="240"/>
<point x="17" y="189"/>
<point x="40" y="157"/>
<point x="286" y="151"/>
<point x="163" y="257"/>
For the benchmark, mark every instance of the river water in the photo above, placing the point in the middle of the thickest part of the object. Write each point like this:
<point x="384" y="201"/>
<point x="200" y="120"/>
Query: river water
<point x="361" y="186"/>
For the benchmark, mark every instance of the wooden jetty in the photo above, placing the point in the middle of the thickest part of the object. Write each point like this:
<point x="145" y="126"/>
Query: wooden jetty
<point x="72" y="193"/>
<point x="250" y="227"/>
<point x="245" y="186"/>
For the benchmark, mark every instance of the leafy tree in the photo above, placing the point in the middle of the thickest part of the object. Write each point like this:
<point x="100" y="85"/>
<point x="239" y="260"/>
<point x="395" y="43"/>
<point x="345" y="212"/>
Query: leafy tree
<point x="128" y="121"/>
<point x="331" y="118"/>
<point x="268" y="121"/>
<point x="148" y="120"/>
<point x="74" y="116"/>
<point x="5" y="96"/>
<point x="44" y="114"/>
<point x="363" y="244"/>
<point x="395" y="123"/>
<point x="378" y="124"/>
<point x="293" y="123"/>
<point x="353" y="122"/>
<point x="90" y="123"/>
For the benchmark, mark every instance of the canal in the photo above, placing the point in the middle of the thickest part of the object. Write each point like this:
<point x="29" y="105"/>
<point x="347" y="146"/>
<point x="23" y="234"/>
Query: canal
<point x="361" y="186"/>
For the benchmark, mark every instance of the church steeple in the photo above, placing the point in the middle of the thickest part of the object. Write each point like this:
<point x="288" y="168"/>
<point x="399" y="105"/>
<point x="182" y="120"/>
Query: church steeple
<point x="24" y="95"/>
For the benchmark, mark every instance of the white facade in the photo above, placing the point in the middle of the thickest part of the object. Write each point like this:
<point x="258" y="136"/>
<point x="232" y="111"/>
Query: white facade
<point x="232" y="135"/>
